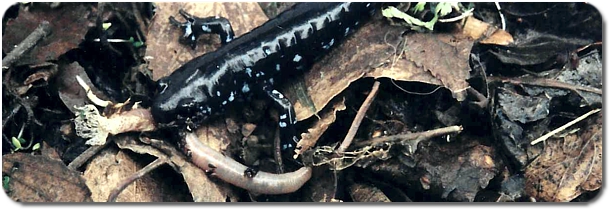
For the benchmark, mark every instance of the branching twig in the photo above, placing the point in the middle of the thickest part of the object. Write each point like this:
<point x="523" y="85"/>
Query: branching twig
<point x="356" y="123"/>
<point x="563" y="127"/>
<point x="126" y="182"/>
<point x="26" y="45"/>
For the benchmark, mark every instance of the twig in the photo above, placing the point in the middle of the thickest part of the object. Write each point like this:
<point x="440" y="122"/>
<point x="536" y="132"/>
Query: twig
<point x="26" y="45"/>
<point x="126" y="182"/>
<point x="412" y="136"/>
<point x="563" y="127"/>
<point x="501" y="15"/>
<point x="85" y="156"/>
<point x="542" y="82"/>
<point x="356" y="123"/>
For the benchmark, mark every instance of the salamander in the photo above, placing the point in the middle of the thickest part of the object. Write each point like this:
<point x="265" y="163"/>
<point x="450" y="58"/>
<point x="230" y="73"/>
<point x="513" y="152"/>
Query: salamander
<point x="254" y="63"/>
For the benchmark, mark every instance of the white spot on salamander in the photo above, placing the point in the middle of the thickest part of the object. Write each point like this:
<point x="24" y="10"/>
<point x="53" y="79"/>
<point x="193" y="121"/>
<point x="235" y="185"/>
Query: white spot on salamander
<point x="245" y="88"/>
<point x="267" y="51"/>
<point x="217" y="93"/>
<point x="332" y="41"/>
<point x="271" y="80"/>
<point x="277" y="67"/>
<point x="205" y="28"/>
<point x="257" y="74"/>
<point x="249" y="72"/>
<point x="283" y="117"/>
<point x="278" y="94"/>
<point x="224" y="102"/>
<point x="297" y="58"/>
<point x="368" y="4"/>
<point x="283" y="124"/>
<point x="231" y="97"/>
<point x="346" y="31"/>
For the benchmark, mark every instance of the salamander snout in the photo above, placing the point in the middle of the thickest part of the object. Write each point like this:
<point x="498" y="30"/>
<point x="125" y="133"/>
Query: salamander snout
<point x="177" y="103"/>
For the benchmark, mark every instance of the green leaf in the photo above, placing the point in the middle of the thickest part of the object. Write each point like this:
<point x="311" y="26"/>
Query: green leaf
<point x="393" y="12"/>
<point x="5" y="181"/>
<point x="16" y="143"/>
<point x="420" y="6"/>
<point x="106" y="26"/>
<point x="36" y="147"/>
<point x="444" y="8"/>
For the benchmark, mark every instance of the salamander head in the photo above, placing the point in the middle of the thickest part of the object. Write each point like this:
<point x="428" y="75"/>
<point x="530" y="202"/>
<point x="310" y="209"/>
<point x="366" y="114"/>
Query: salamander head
<point x="179" y="102"/>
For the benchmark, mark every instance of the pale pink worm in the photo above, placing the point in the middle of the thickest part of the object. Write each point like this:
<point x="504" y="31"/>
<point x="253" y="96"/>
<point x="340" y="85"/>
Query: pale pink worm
<point x="232" y="171"/>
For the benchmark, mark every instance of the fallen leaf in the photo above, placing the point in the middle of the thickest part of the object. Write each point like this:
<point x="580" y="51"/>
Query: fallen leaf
<point x="70" y="92"/>
<point x="110" y="167"/>
<point x="34" y="178"/>
<point x="568" y="166"/>
<point x="366" y="193"/>
<point x="202" y="188"/>
<point x="309" y="139"/>
<point x="69" y="24"/>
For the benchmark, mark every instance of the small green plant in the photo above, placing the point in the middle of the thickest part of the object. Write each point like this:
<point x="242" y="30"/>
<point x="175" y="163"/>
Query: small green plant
<point x="19" y="141"/>
<point x="439" y="10"/>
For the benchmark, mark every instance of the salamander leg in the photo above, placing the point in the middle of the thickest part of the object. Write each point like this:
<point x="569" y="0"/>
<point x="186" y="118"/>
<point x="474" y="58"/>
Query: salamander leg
<point x="286" y="122"/>
<point x="195" y="26"/>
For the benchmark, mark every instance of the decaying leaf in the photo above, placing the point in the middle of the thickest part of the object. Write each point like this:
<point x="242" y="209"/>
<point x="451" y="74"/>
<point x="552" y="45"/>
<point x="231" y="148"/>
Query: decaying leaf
<point x="34" y="178"/>
<point x="163" y="37"/>
<point x="454" y="171"/>
<point x="568" y="166"/>
<point x="69" y="24"/>
<point x="202" y="189"/>
<point x="366" y="193"/>
<point x="70" y="92"/>
<point x="108" y="169"/>
<point x="309" y="139"/>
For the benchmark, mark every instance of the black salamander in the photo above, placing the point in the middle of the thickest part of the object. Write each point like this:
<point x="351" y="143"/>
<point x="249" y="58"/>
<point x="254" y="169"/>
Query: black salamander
<point x="254" y="63"/>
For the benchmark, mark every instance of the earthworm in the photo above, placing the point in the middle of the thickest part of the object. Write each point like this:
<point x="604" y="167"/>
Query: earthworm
<point x="231" y="171"/>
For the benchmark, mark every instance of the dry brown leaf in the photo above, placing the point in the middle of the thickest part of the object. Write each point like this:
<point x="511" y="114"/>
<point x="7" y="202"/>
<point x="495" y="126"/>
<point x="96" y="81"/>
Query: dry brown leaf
<point x="349" y="62"/>
<point x="34" y="178"/>
<point x="568" y="166"/>
<point x="104" y="173"/>
<point x="487" y="33"/>
<point x="70" y="92"/>
<point x="309" y="139"/>
<point x="167" y="54"/>
<point x="202" y="189"/>
<point x="69" y="24"/>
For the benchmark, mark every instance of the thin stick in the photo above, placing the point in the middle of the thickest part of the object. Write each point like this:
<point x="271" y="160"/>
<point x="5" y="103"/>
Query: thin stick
<point x="563" y="127"/>
<point x="412" y="136"/>
<point x="85" y="156"/>
<point x="356" y="123"/>
<point x="26" y="45"/>
<point x="501" y="15"/>
<point x="542" y="82"/>
<point x="126" y="182"/>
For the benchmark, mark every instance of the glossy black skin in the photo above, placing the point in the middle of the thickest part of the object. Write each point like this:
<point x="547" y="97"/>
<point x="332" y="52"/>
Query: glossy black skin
<point x="253" y="63"/>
